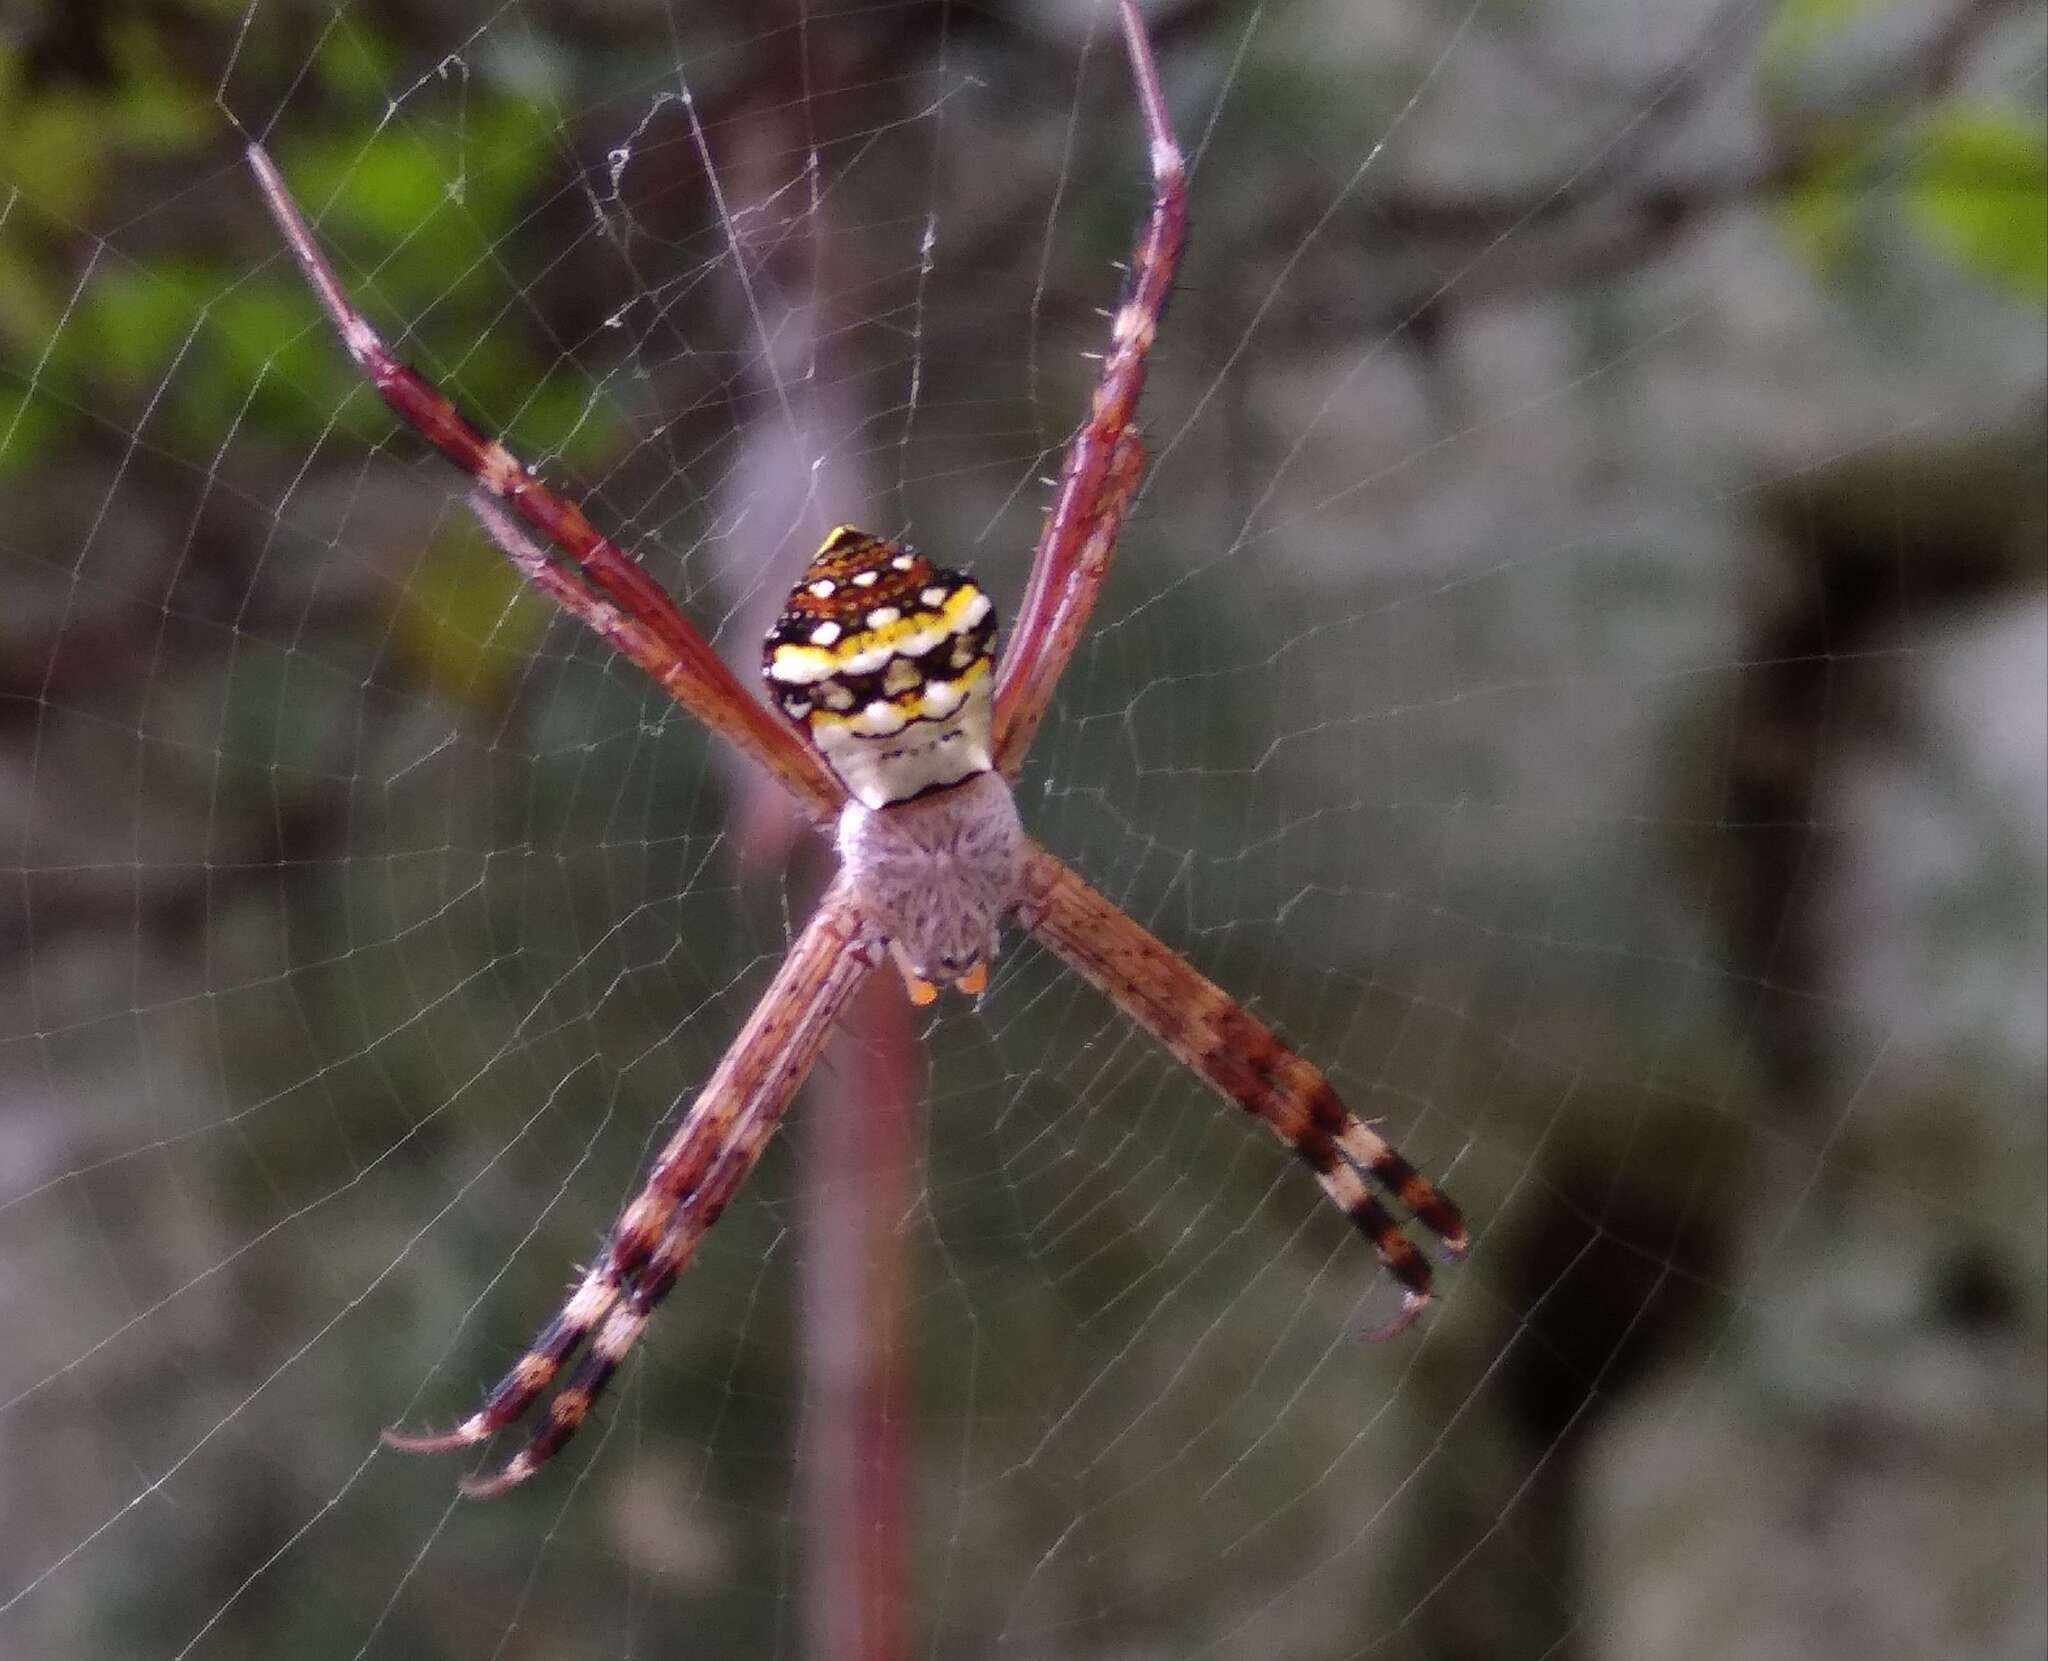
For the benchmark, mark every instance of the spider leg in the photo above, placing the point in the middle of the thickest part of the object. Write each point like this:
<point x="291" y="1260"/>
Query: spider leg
<point x="1239" y="1055"/>
<point x="571" y="1404"/>
<point x="692" y="1179"/>
<point x="607" y="588"/>
<point x="1105" y="458"/>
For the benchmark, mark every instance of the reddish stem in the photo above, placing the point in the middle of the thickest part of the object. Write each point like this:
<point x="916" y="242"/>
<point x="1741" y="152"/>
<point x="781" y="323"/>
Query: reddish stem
<point x="863" y="1140"/>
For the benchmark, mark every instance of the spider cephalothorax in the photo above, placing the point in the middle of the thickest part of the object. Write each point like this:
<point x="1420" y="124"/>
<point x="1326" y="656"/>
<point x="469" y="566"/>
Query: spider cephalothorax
<point x="885" y="664"/>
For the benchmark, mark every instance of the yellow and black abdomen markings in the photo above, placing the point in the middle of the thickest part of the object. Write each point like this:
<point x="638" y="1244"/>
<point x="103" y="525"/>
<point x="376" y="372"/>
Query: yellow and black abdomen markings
<point x="887" y="662"/>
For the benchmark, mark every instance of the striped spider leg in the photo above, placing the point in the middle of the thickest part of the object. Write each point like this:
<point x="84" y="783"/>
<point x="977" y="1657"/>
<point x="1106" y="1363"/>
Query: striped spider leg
<point x="712" y="1152"/>
<point x="1213" y="1034"/>
<point x="598" y="583"/>
<point x="1204" y="1027"/>
<point x="892" y="718"/>
<point x="1106" y="457"/>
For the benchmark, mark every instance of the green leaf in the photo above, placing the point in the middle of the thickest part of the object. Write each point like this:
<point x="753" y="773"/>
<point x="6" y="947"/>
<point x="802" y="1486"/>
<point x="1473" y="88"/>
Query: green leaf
<point x="398" y="186"/>
<point x="465" y="619"/>
<point x="30" y="305"/>
<point x="1978" y="189"/>
<point x="1826" y="13"/>
<point x="1799" y="27"/>
<point x="133" y="318"/>
<point x="355" y="64"/>
<point x="1821" y="208"/>
<point x="384" y="189"/>
<point x="156" y="108"/>
<point x="27" y="423"/>
<point x="274" y="325"/>
<point x="54" y="149"/>
<point x="270" y="335"/>
<point x="562" y="415"/>
<point x="420" y="210"/>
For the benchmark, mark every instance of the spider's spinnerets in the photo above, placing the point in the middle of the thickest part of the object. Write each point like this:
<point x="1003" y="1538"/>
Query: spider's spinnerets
<point x="887" y="662"/>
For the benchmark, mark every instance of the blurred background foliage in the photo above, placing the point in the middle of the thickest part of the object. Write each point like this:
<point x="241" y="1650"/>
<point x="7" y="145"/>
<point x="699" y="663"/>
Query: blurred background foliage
<point x="1578" y="669"/>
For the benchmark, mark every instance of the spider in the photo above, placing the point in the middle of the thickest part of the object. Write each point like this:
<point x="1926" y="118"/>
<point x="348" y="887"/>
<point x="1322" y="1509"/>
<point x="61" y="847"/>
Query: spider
<point x="892" y="723"/>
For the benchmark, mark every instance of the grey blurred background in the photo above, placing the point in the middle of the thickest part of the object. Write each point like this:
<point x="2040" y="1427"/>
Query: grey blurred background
<point x="1578" y="669"/>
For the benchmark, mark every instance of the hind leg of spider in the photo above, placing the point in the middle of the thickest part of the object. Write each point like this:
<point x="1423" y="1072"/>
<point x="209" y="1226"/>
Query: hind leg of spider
<point x="1241" y="1058"/>
<point x="699" y="1170"/>
<point x="570" y="1405"/>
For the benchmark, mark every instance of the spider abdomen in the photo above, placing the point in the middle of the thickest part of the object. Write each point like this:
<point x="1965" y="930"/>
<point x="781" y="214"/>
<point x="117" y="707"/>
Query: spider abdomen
<point x="887" y="663"/>
<point x="938" y="873"/>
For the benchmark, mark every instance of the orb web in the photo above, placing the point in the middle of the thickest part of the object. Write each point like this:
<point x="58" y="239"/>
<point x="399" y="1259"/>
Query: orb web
<point x="1573" y="670"/>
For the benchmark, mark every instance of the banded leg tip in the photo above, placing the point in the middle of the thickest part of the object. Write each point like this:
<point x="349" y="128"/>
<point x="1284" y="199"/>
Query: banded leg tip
<point x="1412" y="1305"/>
<point x="1455" y="1246"/>
<point x="488" y="1484"/>
<point x="465" y="1435"/>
